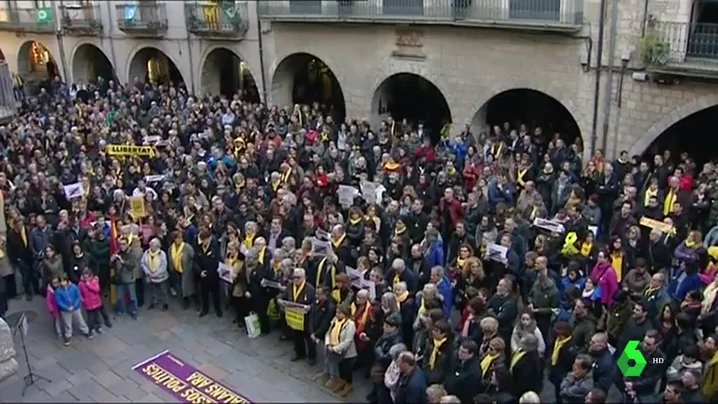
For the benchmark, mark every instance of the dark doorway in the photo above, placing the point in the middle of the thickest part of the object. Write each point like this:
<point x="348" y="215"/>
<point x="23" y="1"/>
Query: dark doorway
<point x="535" y="109"/>
<point x="315" y="82"/>
<point x="414" y="98"/>
<point x="688" y="135"/>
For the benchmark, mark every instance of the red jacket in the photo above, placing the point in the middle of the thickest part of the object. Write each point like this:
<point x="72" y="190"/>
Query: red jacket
<point x="90" y="293"/>
<point x="427" y="153"/>
<point x="456" y="211"/>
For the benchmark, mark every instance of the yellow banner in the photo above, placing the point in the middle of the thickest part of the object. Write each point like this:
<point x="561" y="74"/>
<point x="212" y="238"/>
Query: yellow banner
<point x="658" y="225"/>
<point x="137" y="207"/>
<point x="137" y="151"/>
<point x="295" y="318"/>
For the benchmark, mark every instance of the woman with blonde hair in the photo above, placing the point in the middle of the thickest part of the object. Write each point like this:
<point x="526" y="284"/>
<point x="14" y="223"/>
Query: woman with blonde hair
<point x="525" y="325"/>
<point x="239" y="288"/>
<point x="491" y="360"/>
<point x="472" y="275"/>
<point x="155" y="268"/>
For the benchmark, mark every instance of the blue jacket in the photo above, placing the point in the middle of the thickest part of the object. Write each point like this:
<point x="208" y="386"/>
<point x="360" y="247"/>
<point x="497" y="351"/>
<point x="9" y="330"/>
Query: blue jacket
<point x="679" y="288"/>
<point x="444" y="288"/>
<point x="68" y="298"/>
<point x="497" y="196"/>
<point x="411" y="388"/>
<point x="435" y="255"/>
<point x="604" y="370"/>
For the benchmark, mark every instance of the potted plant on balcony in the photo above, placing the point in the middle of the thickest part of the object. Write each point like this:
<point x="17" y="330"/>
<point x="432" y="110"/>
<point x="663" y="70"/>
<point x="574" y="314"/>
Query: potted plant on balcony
<point x="655" y="51"/>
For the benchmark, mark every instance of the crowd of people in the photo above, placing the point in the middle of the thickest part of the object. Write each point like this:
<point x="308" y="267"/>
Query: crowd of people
<point x="485" y="264"/>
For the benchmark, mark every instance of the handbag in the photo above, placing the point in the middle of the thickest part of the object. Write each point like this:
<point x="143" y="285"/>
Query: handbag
<point x="254" y="328"/>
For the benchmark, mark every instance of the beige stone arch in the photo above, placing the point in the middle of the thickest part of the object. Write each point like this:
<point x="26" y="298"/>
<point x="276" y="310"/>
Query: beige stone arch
<point x="396" y="67"/>
<point x="670" y="119"/>
<point x="23" y="58"/>
<point x="162" y="47"/>
<point x="79" y="68"/>
<point x="483" y="98"/>
<point x="206" y="75"/>
<point x="282" y="81"/>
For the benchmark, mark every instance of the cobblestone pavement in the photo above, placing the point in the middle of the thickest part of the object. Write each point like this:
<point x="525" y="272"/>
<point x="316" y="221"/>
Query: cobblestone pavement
<point x="99" y="370"/>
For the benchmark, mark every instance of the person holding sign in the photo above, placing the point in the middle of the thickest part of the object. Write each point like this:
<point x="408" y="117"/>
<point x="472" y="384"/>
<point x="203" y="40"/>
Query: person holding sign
<point x="256" y="295"/>
<point x="300" y="294"/>
<point x="206" y="262"/>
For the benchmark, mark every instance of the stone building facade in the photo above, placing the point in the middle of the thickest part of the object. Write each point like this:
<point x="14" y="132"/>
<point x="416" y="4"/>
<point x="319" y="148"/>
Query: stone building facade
<point x="469" y="62"/>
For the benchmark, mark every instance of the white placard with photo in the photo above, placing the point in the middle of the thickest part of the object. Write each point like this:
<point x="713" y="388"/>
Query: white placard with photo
<point x="496" y="252"/>
<point x="225" y="273"/>
<point x="550" y="225"/>
<point x="346" y="195"/>
<point x="73" y="191"/>
<point x="321" y="248"/>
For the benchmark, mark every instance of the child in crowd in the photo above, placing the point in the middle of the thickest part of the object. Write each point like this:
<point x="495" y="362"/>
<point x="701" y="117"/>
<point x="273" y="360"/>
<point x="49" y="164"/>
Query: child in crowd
<point x="68" y="300"/>
<point x="52" y="305"/>
<point x="92" y="301"/>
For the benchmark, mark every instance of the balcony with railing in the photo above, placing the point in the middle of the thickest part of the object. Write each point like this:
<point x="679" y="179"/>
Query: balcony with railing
<point x="142" y="20"/>
<point x="227" y="20"/>
<point x="81" y="20"/>
<point x="681" y="47"/>
<point x="551" y="15"/>
<point x="31" y="20"/>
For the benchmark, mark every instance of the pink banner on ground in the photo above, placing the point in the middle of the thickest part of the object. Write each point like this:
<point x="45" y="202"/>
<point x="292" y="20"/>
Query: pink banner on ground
<point x="185" y="382"/>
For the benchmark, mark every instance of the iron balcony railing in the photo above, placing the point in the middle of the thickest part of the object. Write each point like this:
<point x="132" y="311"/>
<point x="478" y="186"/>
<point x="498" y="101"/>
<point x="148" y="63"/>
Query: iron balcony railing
<point x="223" y="19"/>
<point x="86" y="17"/>
<point x="465" y="12"/>
<point x="142" y="17"/>
<point x="675" y="42"/>
<point x="40" y="20"/>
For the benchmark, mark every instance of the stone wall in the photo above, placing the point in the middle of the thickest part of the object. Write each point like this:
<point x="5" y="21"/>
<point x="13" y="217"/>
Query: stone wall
<point x="8" y="365"/>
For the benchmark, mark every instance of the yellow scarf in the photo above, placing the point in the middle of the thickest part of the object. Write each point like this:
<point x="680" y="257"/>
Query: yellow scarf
<point x="248" y="240"/>
<point x="690" y="243"/>
<point x="23" y="234"/>
<point x="586" y="249"/>
<point x="365" y="315"/>
<point x="297" y="290"/>
<point x="131" y="239"/>
<point x="401" y="298"/>
<point x="391" y="166"/>
<point x="176" y="254"/>
<point x="668" y="203"/>
<point x="617" y="264"/>
<point x="422" y="307"/>
<point x="204" y="244"/>
<point x="649" y="194"/>
<point x="260" y="255"/>
<point x="515" y="358"/>
<point x="338" y="242"/>
<point x="496" y="151"/>
<point x="435" y="352"/>
<point x="460" y="262"/>
<point x="320" y="272"/>
<point x="649" y="291"/>
<point x="520" y="176"/>
<point x="277" y="266"/>
<point x="399" y="230"/>
<point x="486" y="363"/>
<point x="231" y="261"/>
<point x="335" y="331"/>
<point x="153" y="262"/>
<point x="709" y="296"/>
<point x="275" y="185"/>
<point x="534" y="212"/>
<point x="397" y="279"/>
<point x="355" y="222"/>
<point x="560" y="342"/>
<point x="286" y="177"/>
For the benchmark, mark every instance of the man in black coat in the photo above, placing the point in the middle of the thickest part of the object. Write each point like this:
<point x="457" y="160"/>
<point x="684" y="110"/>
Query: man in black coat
<point x="462" y="382"/>
<point x="322" y="315"/>
<point x="207" y="258"/>
<point x="412" y="383"/>
<point x="302" y="293"/>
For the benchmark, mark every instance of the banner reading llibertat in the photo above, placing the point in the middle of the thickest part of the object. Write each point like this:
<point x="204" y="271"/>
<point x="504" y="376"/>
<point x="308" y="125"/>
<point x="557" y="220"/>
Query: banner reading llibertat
<point x="185" y="382"/>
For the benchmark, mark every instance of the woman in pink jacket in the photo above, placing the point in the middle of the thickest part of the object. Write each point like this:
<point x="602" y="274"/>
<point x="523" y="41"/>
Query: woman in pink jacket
<point x="51" y="305"/>
<point x="92" y="301"/>
<point x="604" y="277"/>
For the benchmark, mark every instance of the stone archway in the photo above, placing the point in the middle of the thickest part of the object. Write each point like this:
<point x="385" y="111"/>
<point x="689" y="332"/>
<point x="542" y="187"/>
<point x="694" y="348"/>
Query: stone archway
<point x="89" y="63"/>
<point x="678" y="114"/>
<point x="533" y="108"/>
<point x="150" y="64"/>
<point x="224" y="72"/>
<point x="36" y="65"/>
<point x="302" y="78"/>
<point x="412" y="97"/>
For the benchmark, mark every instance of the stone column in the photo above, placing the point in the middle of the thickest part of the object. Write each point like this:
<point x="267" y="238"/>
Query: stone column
<point x="8" y="364"/>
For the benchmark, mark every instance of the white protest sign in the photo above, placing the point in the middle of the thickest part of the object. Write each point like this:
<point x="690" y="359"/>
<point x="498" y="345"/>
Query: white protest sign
<point x="154" y="178"/>
<point x="322" y="235"/>
<point x="496" y="252"/>
<point x="346" y="195"/>
<point x="355" y="276"/>
<point x="320" y="247"/>
<point x="225" y="273"/>
<point x="73" y="191"/>
<point x="594" y="230"/>
<point x="152" y="140"/>
<point x="270" y="284"/>
<point x="550" y="225"/>
<point x="369" y="286"/>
